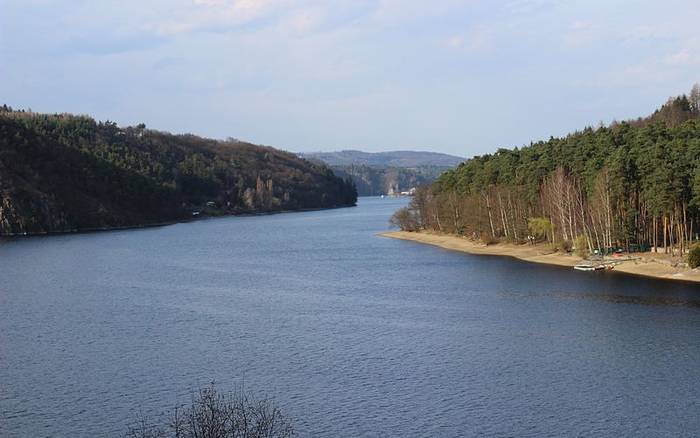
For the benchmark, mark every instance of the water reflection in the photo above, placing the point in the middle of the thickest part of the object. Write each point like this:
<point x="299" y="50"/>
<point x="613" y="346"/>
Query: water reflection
<point x="647" y="300"/>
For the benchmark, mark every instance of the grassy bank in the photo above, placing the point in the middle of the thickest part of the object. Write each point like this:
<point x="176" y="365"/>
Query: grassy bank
<point x="648" y="265"/>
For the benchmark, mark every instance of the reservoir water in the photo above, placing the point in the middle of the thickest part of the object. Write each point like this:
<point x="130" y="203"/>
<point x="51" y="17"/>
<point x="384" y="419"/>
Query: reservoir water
<point x="352" y="334"/>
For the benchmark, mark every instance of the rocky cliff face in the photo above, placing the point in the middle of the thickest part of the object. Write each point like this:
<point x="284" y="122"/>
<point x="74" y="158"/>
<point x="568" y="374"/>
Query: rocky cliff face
<point x="11" y="220"/>
<point x="20" y="214"/>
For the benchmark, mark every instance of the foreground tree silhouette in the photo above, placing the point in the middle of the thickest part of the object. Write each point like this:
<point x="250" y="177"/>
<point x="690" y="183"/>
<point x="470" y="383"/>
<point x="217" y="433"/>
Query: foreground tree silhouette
<point x="212" y="414"/>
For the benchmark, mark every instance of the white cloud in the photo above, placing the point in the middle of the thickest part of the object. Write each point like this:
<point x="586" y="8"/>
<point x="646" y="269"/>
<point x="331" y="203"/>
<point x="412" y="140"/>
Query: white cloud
<point x="395" y="12"/>
<point x="210" y="2"/>
<point x="528" y="7"/>
<point x="455" y="42"/>
<point x="676" y="67"/>
<point x="682" y="58"/>
<point x="219" y="14"/>
<point x="479" y="39"/>
<point x="303" y="21"/>
<point x="582" y="33"/>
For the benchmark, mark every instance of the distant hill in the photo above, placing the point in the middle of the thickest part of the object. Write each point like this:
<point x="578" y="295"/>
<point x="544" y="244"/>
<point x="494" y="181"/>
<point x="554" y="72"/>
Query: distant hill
<point x="385" y="173"/>
<point x="60" y="172"/>
<point x="405" y="159"/>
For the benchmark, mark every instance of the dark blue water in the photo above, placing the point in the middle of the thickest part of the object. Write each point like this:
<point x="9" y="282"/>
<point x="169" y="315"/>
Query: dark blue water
<point x="353" y="334"/>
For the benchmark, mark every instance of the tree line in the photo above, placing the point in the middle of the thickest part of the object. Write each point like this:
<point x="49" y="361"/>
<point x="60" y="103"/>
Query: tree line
<point x="632" y="185"/>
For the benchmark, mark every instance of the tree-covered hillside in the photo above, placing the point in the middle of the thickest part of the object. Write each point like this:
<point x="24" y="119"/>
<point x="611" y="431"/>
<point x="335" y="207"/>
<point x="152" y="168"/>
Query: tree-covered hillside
<point x="381" y="180"/>
<point x="63" y="172"/>
<point x="403" y="159"/>
<point x="383" y="173"/>
<point x="631" y="184"/>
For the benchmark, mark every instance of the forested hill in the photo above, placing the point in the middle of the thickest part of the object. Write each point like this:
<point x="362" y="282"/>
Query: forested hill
<point x="382" y="180"/>
<point x="403" y="159"/>
<point x="630" y="184"/>
<point x="65" y="173"/>
<point x="384" y="173"/>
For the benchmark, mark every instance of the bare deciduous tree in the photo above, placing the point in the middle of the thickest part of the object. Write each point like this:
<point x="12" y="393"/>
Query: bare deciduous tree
<point x="406" y="219"/>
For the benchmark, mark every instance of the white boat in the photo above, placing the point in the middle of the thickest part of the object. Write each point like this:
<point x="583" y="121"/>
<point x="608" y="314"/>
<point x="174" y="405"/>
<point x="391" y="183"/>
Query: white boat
<point x="589" y="267"/>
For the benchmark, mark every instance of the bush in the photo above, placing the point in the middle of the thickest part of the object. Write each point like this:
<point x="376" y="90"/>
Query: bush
<point x="694" y="257"/>
<point x="488" y="239"/>
<point x="567" y="245"/>
<point x="405" y="219"/>
<point x="581" y="246"/>
<point x="215" y="415"/>
<point x="539" y="227"/>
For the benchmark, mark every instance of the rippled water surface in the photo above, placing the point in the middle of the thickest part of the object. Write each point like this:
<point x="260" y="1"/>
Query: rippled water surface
<point x="353" y="334"/>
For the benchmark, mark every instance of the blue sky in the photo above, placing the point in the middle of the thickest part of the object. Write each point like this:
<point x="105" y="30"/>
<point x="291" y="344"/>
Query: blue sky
<point x="462" y="77"/>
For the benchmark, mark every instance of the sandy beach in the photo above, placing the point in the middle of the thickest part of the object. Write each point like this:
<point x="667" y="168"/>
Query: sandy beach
<point x="649" y="264"/>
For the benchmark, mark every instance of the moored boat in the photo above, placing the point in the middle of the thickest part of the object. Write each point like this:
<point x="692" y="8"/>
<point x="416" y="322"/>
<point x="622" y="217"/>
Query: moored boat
<point x="589" y="267"/>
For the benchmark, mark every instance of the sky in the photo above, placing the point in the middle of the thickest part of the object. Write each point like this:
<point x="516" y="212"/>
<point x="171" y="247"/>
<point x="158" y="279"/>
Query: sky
<point x="460" y="77"/>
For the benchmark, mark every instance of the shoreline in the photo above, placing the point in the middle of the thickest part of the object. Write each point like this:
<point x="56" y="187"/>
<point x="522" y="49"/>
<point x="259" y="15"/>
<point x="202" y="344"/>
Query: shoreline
<point x="647" y="266"/>
<point x="187" y="220"/>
